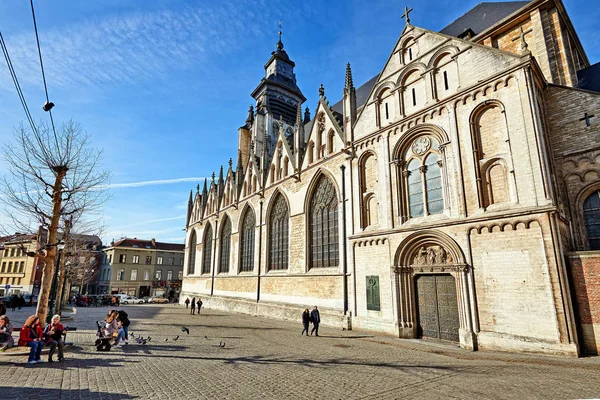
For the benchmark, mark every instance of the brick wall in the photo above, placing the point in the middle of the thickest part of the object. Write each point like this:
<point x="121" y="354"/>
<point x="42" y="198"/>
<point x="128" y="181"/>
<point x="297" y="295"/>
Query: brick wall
<point x="585" y="275"/>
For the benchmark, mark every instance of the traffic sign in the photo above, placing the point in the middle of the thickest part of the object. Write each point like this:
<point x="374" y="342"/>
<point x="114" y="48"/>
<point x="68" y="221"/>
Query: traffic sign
<point x="7" y="287"/>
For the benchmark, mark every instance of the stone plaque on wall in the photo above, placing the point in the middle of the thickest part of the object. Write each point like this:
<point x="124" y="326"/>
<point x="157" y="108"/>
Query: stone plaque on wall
<point x="373" y="292"/>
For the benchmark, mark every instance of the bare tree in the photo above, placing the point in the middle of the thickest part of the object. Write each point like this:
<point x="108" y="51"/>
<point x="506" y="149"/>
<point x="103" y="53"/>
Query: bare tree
<point x="52" y="176"/>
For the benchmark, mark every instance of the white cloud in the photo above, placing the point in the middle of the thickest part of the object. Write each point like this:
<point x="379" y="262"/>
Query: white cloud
<point x="150" y="183"/>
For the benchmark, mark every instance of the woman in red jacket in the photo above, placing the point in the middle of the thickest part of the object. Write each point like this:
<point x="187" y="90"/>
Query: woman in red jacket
<point x="31" y="336"/>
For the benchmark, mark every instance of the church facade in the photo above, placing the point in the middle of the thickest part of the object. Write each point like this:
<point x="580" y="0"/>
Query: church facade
<point x="454" y="196"/>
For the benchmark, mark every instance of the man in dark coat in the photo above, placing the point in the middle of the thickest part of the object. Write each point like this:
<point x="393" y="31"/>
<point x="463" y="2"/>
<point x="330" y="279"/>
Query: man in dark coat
<point x="316" y="320"/>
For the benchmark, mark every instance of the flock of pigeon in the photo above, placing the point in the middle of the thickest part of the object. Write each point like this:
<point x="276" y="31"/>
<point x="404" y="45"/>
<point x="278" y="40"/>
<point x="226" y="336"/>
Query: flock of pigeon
<point x="143" y="340"/>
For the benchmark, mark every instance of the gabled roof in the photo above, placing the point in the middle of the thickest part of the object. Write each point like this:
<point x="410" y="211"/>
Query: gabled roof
<point x="589" y="78"/>
<point x="483" y="16"/>
<point x="148" y="244"/>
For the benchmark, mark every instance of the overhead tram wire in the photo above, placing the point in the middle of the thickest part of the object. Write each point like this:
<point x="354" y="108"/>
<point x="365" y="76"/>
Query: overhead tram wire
<point x="37" y="38"/>
<point x="13" y="75"/>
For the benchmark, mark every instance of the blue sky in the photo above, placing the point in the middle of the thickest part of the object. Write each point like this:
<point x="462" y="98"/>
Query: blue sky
<point x="162" y="86"/>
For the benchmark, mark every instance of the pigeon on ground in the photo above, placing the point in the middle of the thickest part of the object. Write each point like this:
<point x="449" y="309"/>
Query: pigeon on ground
<point x="176" y="337"/>
<point x="205" y="337"/>
<point x="186" y="330"/>
<point x="149" y="338"/>
<point x="166" y="340"/>
<point x="221" y="344"/>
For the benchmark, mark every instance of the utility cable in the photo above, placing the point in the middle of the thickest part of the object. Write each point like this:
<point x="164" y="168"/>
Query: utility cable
<point x="37" y="38"/>
<point x="16" y="82"/>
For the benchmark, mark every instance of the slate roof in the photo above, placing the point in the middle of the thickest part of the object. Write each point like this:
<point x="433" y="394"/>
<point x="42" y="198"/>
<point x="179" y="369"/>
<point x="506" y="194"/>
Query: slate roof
<point x="148" y="244"/>
<point x="589" y="78"/>
<point x="362" y="94"/>
<point x="483" y="16"/>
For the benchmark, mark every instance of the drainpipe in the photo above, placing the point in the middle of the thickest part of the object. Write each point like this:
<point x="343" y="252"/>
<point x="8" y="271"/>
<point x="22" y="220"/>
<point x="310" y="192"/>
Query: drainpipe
<point x="259" y="251"/>
<point x="345" y="256"/>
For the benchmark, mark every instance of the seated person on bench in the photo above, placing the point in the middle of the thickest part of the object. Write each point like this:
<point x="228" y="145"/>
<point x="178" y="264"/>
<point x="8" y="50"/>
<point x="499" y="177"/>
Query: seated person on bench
<point x="54" y="334"/>
<point x="6" y="331"/>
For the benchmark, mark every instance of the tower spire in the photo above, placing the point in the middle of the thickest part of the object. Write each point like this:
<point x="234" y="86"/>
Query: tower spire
<point x="279" y="42"/>
<point x="349" y="82"/>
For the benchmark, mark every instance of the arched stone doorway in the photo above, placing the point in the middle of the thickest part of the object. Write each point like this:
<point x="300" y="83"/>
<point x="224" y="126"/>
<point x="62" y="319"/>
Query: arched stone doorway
<point x="433" y="289"/>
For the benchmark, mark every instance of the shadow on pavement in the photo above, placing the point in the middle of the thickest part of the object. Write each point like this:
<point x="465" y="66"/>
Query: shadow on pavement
<point x="73" y="363"/>
<point x="45" y="393"/>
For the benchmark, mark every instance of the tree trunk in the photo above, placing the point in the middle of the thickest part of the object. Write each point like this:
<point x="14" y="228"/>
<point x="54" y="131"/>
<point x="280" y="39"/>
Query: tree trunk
<point x="50" y="258"/>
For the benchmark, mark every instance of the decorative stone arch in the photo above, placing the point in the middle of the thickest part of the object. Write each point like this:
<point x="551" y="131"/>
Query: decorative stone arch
<point x="582" y="240"/>
<point x="387" y="85"/>
<point x="367" y="197"/>
<point x="408" y="70"/>
<point x="207" y="248"/>
<point x="437" y="140"/>
<point x="450" y="49"/>
<point x="480" y="159"/>
<point x="321" y="172"/>
<point x="432" y="253"/>
<point x="490" y="191"/>
<point x="404" y="44"/>
<point x="224" y="237"/>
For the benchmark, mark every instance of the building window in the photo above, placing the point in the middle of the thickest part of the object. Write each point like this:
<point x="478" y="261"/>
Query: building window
<point x="225" y="249"/>
<point x="591" y="217"/>
<point x="414" y="97"/>
<point x="158" y="275"/>
<point x="324" y="244"/>
<point x="446" y="87"/>
<point x="207" y="250"/>
<point x="121" y="275"/>
<point x="122" y="258"/>
<point x="10" y="263"/>
<point x="136" y="259"/>
<point x="110" y="258"/>
<point x="6" y="252"/>
<point x="387" y="111"/>
<point x="247" y="245"/>
<point x="169" y="275"/>
<point x="192" y="254"/>
<point x="148" y="260"/>
<point x="279" y="234"/>
<point x="159" y="260"/>
<point x="146" y="275"/>
<point x="423" y="178"/>
<point x="171" y="261"/>
<point x="134" y="274"/>
<point x="4" y="267"/>
<point x="179" y="275"/>
<point x="12" y="252"/>
<point x="22" y="267"/>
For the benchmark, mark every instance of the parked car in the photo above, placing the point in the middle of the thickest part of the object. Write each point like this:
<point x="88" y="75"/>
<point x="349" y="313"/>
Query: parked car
<point x="132" y="300"/>
<point x="146" y="299"/>
<point x="158" y="300"/>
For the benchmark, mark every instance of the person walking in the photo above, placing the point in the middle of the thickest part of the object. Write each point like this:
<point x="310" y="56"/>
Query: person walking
<point x="193" y="306"/>
<point x="316" y="320"/>
<point x="13" y="301"/>
<point x="21" y="302"/>
<point x="199" y="304"/>
<point x="305" y="321"/>
<point x="187" y="303"/>
<point x="54" y="334"/>
<point x="31" y="336"/>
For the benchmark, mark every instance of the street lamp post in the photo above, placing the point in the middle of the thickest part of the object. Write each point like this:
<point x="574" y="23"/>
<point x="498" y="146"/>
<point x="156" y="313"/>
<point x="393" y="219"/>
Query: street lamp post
<point x="52" y="309"/>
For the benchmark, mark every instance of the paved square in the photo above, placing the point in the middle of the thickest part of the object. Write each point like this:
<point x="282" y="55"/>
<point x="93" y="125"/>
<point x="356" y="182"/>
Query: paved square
<point x="266" y="359"/>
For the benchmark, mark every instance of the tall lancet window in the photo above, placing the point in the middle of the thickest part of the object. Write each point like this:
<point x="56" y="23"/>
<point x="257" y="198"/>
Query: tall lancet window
<point x="225" y="246"/>
<point x="279" y="223"/>
<point x="192" y="254"/>
<point x="207" y="250"/>
<point x="324" y="241"/>
<point x="247" y="238"/>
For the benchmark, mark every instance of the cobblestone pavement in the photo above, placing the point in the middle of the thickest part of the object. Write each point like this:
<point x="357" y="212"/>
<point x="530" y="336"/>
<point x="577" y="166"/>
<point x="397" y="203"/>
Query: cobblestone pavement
<point x="266" y="359"/>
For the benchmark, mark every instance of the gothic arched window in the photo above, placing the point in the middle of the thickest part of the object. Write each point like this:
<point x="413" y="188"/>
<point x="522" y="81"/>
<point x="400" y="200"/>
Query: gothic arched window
<point x="192" y="254"/>
<point x="591" y="217"/>
<point x="279" y="234"/>
<point x="423" y="178"/>
<point x="324" y="242"/>
<point x="207" y="251"/>
<point x="247" y="245"/>
<point x="225" y="246"/>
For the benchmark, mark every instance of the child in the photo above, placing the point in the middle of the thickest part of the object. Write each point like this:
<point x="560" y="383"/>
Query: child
<point x="6" y="330"/>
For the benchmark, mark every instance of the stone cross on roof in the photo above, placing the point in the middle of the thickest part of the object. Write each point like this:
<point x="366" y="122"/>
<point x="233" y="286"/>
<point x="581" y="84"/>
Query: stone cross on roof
<point x="521" y="36"/>
<point x="405" y="15"/>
